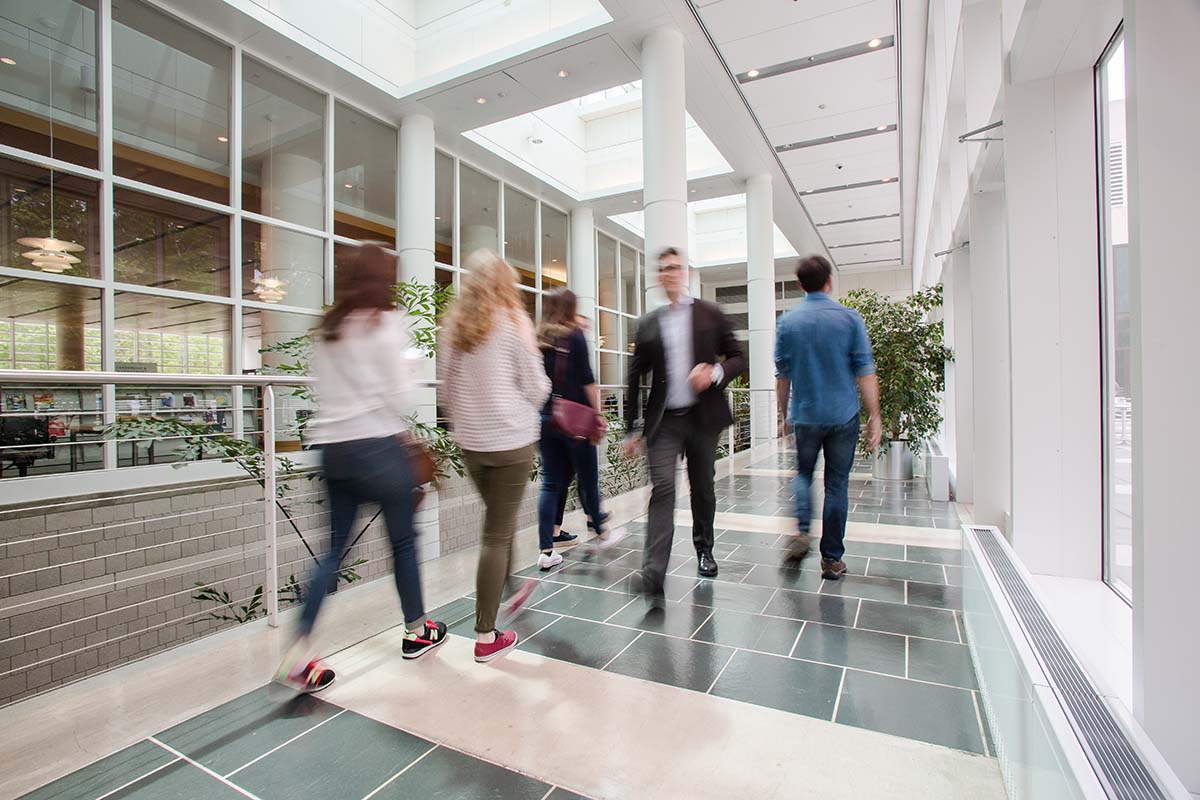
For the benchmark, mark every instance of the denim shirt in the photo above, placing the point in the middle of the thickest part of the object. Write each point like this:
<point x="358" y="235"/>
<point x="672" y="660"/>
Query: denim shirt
<point x="821" y="347"/>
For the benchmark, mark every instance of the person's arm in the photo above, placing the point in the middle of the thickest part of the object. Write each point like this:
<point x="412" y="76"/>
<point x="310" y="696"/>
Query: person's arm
<point x="862" y="359"/>
<point x="782" y="389"/>
<point x="639" y="365"/>
<point x="723" y="373"/>
<point x="783" y="368"/>
<point x="396" y="360"/>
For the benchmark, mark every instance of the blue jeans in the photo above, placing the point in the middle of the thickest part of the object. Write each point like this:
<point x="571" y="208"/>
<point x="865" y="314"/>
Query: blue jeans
<point x="561" y="456"/>
<point x="838" y="442"/>
<point x="368" y="471"/>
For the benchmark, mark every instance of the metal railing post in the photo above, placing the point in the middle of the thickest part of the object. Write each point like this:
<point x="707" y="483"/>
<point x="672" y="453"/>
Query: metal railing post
<point x="271" y="591"/>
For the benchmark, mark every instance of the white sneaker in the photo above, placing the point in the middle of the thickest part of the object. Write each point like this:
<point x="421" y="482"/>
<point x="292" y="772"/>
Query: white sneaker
<point x="549" y="561"/>
<point x="610" y="538"/>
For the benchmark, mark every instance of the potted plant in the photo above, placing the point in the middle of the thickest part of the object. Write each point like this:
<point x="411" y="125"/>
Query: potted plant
<point x="910" y="360"/>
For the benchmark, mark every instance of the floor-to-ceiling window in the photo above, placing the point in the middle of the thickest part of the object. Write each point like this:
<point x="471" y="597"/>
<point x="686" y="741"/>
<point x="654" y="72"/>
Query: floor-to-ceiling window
<point x="1114" y="270"/>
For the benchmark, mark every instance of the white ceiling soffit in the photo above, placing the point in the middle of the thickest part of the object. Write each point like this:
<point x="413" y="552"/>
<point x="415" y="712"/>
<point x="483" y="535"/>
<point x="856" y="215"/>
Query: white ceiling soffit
<point x="912" y="38"/>
<point x="591" y="66"/>
<point x="820" y="77"/>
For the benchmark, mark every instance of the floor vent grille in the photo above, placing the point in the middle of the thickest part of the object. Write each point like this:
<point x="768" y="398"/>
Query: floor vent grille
<point x="1117" y="763"/>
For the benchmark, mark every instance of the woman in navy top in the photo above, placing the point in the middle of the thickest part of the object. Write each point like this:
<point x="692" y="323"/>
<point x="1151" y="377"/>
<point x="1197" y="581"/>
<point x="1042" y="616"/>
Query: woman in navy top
<point x="565" y="355"/>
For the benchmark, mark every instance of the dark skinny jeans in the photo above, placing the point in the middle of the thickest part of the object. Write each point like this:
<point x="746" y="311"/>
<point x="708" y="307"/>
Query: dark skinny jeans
<point x="560" y="457"/>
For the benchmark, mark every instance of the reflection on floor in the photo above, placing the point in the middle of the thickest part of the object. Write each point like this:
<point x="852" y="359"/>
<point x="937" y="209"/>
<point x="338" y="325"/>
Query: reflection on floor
<point x="762" y="648"/>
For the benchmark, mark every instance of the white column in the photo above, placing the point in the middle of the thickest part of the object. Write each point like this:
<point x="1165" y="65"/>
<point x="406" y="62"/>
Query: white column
<point x="1162" y="115"/>
<point x="415" y="244"/>
<point x="664" y="150"/>
<point x="760" y="299"/>
<point x="991" y="382"/>
<point x="694" y="283"/>
<point x="959" y="384"/>
<point x="581" y="268"/>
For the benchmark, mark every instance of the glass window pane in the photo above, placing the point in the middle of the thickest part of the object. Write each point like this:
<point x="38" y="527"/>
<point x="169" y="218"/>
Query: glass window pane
<point x="207" y="410"/>
<point x="266" y="329"/>
<point x="612" y="369"/>
<point x="63" y="437"/>
<point x="172" y="245"/>
<point x="609" y="335"/>
<point x="520" y="213"/>
<point x="49" y="92"/>
<point x="57" y="214"/>
<point x="171" y="102"/>
<point x="631" y="324"/>
<point x="50" y="325"/>
<point x="478" y="206"/>
<point x="1117" y="363"/>
<point x="606" y="271"/>
<point x="282" y="266"/>
<point x="364" y="181"/>
<point x="554" y="248"/>
<point x="443" y="208"/>
<point x="283" y="147"/>
<point x="629" y="293"/>
<point x="167" y="334"/>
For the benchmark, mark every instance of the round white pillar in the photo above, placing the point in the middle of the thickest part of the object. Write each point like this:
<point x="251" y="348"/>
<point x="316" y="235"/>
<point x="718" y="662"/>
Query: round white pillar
<point x="581" y="269"/>
<point x="664" y="151"/>
<point x="415" y="228"/>
<point x="760" y="297"/>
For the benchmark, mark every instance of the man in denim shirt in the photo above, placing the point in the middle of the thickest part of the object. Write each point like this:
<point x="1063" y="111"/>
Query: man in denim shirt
<point x="823" y="359"/>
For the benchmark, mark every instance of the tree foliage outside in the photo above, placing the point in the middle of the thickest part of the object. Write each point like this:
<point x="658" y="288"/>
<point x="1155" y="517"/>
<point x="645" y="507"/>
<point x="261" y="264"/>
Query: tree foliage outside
<point x="910" y="360"/>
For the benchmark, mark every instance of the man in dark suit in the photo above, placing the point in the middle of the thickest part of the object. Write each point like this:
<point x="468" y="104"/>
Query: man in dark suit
<point x="690" y="351"/>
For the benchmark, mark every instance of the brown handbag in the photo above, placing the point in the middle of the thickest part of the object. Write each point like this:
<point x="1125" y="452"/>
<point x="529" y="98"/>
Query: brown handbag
<point x="422" y="466"/>
<point x="577" y="420"/>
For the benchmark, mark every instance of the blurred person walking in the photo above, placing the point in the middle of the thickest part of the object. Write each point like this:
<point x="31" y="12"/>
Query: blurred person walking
<point x="823" y="360"/>
<point x="689" y="348"/>
<point x="495" y="387"/>
<point x="363" y="362"/>
<point x="566" y="362"/>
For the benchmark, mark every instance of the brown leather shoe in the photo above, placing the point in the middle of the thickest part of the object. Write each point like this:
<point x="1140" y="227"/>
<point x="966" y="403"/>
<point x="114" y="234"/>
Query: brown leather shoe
<point x="797" y="550"/>
<point x="832" y="569"/>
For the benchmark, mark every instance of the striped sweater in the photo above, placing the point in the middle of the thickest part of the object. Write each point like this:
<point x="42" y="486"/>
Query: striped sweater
<point x="493" y="395"/>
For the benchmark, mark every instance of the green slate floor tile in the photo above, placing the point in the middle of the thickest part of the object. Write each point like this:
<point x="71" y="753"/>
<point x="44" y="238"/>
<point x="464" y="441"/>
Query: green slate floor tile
<point x="888" y="590"/>
<point x="906" y="570"/>
<point x="929" y="623"/>
<point x="454" y="611"/>
<point x="751" y="632"/>
<point x="448" y="774"/>
<point x="675" y="587"/>
<point x="848" y="647"/>
<point x="825" y="608"/>
<point x="934" y="714"/>
<point x="344" y="759"/>
<point x="588" y="643"/>
<point x="750" y="537"/>
<point x="731" y="596"/>
<point x="800" y="687"/>
<point x="673" y="619"/>
<point x="105" y="775"/>
<point x="728" y="571"/>
<point x="941" y="662"/>
<point x="780" y="577"/>
<point x="527" y="625"/>
<point x="935" y="596"/>
<point x="562" y="794"/>
<point x="934" y="555"/>
<point x="236" y="732"/>
<point x="592" y="575"/>
<point x="180" y="780"/>
<point x="675" y="662"/>
<point x="580" y="601"/>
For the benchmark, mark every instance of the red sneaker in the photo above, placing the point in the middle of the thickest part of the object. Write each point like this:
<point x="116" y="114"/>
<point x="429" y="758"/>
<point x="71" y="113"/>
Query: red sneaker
<point x="307" y="678"/>
<point x="517" y="603"/>
<point x="505" y="641"/>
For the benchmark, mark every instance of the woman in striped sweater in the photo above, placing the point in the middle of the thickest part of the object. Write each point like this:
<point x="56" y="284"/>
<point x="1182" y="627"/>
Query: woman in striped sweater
<point x="495" y="386"/>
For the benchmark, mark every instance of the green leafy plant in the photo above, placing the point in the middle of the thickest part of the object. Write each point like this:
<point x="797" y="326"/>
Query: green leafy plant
<point x="910" y="360"/>
<point x="291" y="593"/>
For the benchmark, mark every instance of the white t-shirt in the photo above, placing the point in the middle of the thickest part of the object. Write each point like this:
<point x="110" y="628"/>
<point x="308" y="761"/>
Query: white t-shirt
<point x="365" y="378"/>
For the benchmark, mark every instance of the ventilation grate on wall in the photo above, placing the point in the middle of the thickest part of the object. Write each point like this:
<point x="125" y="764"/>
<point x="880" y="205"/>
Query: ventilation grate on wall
<point x="1115" y="760"/>
<point x="1116" y="173"/>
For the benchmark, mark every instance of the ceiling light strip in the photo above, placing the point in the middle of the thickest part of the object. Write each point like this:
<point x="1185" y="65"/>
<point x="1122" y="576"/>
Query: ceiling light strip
<point x="849" y="186"/>
<point x="857" y="219"/>
<point x="864" y="244"/>
<point x="876" y="261"/>
<point x="835" y="138"/>
<point x="828" y="57"/>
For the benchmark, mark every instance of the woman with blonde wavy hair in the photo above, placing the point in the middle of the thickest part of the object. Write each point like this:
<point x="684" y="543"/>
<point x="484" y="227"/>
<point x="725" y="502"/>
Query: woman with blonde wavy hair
<point x="495" y="386"/>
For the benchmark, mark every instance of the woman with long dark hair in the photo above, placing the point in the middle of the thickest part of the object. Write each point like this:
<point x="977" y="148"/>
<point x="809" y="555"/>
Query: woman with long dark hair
<point x="363" y="361"/>
<point x="565" y="358"/>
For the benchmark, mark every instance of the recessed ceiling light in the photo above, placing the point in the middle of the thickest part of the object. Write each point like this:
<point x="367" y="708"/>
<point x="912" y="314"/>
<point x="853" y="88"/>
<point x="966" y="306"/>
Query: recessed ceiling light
<point x="875" y="43"/>
<point x="752" y="73"/>
<point x="222" y="138"/>
<point x="436" y="217"/>
<point x="555" y="260"/>
<point x="562" y="73"/>
<point x="348" y="185"/>
<point x="7" y="60"/>
<point x="481" y="100"/>
<point x="881" y="127"/>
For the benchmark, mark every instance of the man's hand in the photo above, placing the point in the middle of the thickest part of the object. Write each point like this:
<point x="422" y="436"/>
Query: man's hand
<point x="785" y="430"/>
<point x="631" y="445"/>
<point x="874" y="432"/>
<point x="701" y="377"/>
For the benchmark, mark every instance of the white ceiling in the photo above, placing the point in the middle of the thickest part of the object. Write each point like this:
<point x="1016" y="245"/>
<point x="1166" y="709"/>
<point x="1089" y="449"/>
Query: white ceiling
<point x="849" y="95"/>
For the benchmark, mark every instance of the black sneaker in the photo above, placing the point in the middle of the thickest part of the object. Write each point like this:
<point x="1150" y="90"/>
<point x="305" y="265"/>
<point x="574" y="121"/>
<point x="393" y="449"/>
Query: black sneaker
<point x="418" y="644"/>
<point x="603" y="520"/>
<point x="562" y="537"/>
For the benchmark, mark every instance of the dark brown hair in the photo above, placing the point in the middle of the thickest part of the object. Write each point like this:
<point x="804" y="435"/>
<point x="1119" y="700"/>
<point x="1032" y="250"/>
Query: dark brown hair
<point x="668" y="251"/>
<point x="558" y="316"/>
<point x="813" y="273"/>
<point x="369" y="278"/>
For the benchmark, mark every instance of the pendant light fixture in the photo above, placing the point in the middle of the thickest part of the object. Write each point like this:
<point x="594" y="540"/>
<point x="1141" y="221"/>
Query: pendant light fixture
<point x="50" y="254"/>
<point x="269" y="290"/>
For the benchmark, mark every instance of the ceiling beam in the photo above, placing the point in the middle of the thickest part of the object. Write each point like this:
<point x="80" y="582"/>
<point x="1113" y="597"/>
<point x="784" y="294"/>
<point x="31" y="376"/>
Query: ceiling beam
<point x="848" y="186"/>
<point x="857" y="219"/>
<point x="807" y="62"/>
<point x="835" y="138"/>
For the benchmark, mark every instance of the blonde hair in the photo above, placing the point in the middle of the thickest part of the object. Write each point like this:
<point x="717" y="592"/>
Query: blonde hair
<point x="488" y="293"/>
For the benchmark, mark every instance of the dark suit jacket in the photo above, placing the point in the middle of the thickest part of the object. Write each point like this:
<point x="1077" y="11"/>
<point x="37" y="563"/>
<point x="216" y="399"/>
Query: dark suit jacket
<point x="712" y="342"/>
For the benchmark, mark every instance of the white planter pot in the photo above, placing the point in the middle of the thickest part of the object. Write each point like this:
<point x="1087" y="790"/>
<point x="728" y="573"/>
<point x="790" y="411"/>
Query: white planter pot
<point x="894" y="462"/>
